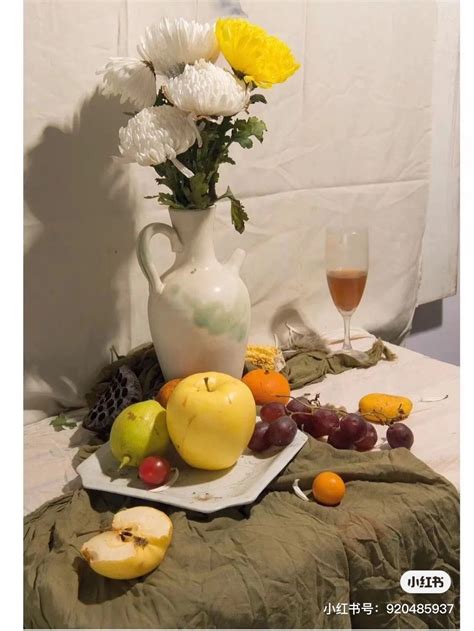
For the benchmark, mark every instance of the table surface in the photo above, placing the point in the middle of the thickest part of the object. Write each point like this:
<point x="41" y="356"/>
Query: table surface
<point x="48" y="455"/>
<point x="435" y="424"/>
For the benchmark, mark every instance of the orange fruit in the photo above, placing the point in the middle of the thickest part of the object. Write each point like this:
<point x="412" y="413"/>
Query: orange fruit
<point x="267" y="386"/>
<point x="328" y="488"/>
<point x="166" y="391"/>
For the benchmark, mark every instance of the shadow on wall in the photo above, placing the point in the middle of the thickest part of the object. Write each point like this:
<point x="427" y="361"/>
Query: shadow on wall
<point x="435" y="330"/>
<point x="79" y="238"/>
<point x="428" y="316"/>
<point x="231" y="7"/>
<point x="291" y="330"/>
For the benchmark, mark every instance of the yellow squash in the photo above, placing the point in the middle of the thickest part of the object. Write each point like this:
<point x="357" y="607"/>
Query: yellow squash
<point x="384" y="408"/>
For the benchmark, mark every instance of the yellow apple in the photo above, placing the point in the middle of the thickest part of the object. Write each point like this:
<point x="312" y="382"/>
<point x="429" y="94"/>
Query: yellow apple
<point x="211" y="418"/>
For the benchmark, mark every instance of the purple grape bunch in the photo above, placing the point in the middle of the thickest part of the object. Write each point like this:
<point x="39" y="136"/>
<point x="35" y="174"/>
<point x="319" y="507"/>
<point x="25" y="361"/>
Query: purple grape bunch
<point x="279" y="424"/>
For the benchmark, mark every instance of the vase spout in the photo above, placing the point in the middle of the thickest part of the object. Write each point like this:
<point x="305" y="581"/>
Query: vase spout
<point x="235" y="260"/>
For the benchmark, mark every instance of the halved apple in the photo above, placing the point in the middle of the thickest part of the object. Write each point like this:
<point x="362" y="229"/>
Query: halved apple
<point x="136" y="544"/>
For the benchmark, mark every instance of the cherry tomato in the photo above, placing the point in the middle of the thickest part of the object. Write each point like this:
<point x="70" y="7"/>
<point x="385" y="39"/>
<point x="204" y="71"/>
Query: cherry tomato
<point x="154" y="470"/>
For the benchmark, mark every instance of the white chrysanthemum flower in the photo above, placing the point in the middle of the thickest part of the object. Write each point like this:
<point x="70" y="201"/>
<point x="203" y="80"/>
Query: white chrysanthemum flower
<point x="157" y="134"/>
<point x="172" y="44"/>
<point x="131" y="79"/>
<point x="207" y="90"/>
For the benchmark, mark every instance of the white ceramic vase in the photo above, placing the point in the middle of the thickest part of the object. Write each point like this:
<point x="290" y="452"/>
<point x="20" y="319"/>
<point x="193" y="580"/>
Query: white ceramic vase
<point x="199" y="309"/>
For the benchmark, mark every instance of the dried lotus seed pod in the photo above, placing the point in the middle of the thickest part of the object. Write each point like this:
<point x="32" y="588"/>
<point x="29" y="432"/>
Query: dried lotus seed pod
<point x="123" y="390"/>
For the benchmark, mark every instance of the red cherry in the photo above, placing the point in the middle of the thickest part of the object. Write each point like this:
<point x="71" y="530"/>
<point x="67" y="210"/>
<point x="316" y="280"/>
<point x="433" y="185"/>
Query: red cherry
<point x="154" y="470"/>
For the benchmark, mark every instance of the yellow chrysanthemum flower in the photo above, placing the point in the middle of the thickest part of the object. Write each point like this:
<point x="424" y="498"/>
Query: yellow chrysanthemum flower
<point x="259" y="57"/>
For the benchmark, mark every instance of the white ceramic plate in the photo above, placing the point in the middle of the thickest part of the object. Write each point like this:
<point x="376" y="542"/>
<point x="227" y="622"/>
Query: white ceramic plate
<point x="203" y="491"/>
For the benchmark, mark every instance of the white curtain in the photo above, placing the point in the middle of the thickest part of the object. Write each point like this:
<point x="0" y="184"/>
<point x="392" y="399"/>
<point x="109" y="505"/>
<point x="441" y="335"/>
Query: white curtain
<point x="367" y="127"/>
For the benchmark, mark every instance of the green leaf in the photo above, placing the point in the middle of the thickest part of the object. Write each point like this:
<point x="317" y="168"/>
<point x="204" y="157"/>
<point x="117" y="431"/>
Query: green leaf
<point x="238" y="215"/>
<point x="244" y="142"/>
<point x="199" y="187"/>
<point x="228" y="159"/>
<point x="62" y="422"/>
<point x="257" y="98"/>
<point x="151" y="196"/>
<point x="168" y="200"/>
<point x="199" y="191"/>
<point x="237" y="211"/>
<point x="244" y="129"/>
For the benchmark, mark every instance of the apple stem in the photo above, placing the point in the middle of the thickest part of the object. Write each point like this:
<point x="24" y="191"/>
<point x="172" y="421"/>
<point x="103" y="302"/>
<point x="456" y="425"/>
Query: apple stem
<point x="206" y="381"/>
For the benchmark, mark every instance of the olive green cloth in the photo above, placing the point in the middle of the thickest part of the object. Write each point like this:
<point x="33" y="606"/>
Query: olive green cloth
<point x="274" y="564"/>
<point x="312" y="366"/>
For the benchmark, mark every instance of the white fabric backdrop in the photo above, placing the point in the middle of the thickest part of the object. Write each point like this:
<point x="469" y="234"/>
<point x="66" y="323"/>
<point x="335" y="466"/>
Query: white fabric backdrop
<point x="360" y="130"/>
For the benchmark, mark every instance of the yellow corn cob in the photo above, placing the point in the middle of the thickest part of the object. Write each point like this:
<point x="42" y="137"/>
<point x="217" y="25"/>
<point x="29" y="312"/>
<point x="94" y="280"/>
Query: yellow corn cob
<point x="266" y="357"/>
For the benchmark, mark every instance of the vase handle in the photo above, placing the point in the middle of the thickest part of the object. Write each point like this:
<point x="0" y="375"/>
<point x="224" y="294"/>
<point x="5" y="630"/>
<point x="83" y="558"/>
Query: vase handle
<point x="144" y="256"/>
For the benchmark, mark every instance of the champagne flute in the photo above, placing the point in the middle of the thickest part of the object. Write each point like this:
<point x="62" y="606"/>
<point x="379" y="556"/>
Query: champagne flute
<point x="347" y="263"/>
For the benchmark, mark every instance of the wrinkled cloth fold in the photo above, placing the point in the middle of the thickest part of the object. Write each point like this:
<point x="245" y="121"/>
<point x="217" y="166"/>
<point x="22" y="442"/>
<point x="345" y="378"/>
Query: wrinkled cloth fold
<point x="277" y="563"/>
<point x="312" y="366"/>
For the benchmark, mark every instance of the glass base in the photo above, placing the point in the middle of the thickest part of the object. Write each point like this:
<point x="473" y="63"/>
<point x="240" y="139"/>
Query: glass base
<point x="360" y="355"/>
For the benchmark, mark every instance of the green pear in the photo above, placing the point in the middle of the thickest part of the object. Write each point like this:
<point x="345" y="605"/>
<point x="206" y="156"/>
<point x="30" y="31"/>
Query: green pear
<point x="139" y="431"/>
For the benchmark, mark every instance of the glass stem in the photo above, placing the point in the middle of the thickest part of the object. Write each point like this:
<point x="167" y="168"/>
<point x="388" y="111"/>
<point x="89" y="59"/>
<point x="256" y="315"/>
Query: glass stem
<point x="347" y="333"/>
